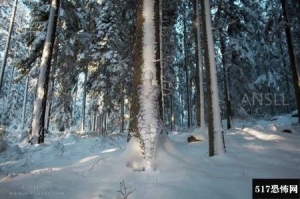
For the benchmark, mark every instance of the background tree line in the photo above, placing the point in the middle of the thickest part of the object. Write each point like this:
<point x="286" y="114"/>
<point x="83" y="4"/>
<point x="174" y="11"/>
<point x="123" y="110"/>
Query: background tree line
<point x="90" y="82"/>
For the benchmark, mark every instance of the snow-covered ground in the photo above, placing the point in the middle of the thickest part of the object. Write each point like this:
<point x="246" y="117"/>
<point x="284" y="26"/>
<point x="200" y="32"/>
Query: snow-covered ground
<point x="67" y="166"/>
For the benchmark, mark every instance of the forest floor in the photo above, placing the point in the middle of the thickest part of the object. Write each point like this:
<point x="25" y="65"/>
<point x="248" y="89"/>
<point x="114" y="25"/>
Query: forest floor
<point x="89" y="167"/>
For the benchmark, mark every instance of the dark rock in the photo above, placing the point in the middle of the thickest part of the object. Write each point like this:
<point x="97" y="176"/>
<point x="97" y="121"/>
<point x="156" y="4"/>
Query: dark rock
<point x="287" y="131"/>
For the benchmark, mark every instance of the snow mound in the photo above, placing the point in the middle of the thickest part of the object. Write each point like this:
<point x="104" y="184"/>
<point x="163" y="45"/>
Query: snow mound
<point x="169" y="155"/>
<point x="133" y="155"/>
<point x="295" y="113"/>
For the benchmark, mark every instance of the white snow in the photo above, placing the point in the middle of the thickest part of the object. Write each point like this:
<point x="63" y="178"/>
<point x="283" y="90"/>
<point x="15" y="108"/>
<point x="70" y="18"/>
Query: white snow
<point x="68" y="166"/>
<point x="133" y="154"/>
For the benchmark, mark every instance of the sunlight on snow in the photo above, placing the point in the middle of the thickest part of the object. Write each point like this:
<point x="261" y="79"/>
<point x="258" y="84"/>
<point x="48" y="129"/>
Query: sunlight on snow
<point x="7" y="163"/>
<point x="38" y="171"/>
<point x="250" y="138"/>
<point x="70" y="143"/>
<point x="255" y="147"/>
<point x="110" y="150"/>
<point x="88" y="159"/>
<point x="261" y="135"/>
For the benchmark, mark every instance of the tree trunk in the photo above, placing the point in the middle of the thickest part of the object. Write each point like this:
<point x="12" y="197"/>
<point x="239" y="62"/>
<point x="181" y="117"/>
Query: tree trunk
<point x="181" y="105"/>
<point x="83" y="101"/>
<point x="10" y="81"/>
<point x="215" y="132"/>
<point x="159" y="54"/>
<point x="98" y="124"/>
<point x="51" y="84"/>
<point x="144" y="107"/>
<point x="92" y="114"/>
<point x="49" y="104"/>
<point x="188" y="100"/>
<point x="172" y="112"/>
<point x="287" y="82"/>
<point x="94" y="121"/>
<point x="105" y="122"/>
<point x="199" y="67"/>
<point x="38" y="121"/>
<point x="122" y="107"/>
<point x="138" y="62"/>
<point x="226" y="84"/>
<point x="74" y="101"/>
<point x="11" y="26"/>
<point x="24" y="102"/>
<point x="292" y="57"/>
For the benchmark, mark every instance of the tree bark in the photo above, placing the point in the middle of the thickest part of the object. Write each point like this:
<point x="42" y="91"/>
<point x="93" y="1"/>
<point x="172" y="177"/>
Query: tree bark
<point x="211" y="136"/>
<point x="159" y="54"/>
<point x="137" y="72"/>
<point x="38" y="120"/>
<point x="84" y="101"/>
<point x="292" y="57"/>
<point x="226" y="84"/>
<point x="24" y="102"/>
<point x="199" y="67"/>
<point x="48" y="106"/>
<point x="188" y="100"/>
<point x="145" y="124"/>
<point x="215" y="132"/>
<point x="122" y="107"/>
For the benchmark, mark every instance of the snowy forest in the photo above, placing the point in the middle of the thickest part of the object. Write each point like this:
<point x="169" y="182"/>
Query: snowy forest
<point x="136" y="99"/>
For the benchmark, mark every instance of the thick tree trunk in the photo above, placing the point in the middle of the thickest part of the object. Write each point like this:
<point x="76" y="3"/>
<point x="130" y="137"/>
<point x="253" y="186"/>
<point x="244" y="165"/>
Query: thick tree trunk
<point x="199" y="67"/>
<point x="292" y="57"/>
<point x="137" y="73"/>
<point x="11" y="26"/>
<point x="211" y="135"/>
<point x="215" y="132"/>
<point x="38" y="120"/>
<point x="144" y="107"/>
<point x="49" y="104"/>
<point x="51" y="85"/>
